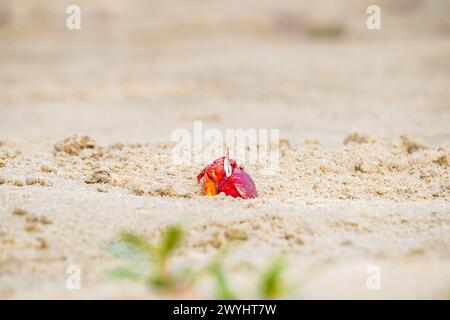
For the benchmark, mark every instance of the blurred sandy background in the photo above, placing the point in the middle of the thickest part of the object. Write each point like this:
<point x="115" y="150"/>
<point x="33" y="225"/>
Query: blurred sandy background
<point x="137" y="70"/>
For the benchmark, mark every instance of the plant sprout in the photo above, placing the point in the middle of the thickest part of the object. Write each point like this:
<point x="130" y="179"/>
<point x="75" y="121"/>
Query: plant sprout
<point x="271" y="286"/>
<point x="133" y="246"/>
<point x="150" y="263"/>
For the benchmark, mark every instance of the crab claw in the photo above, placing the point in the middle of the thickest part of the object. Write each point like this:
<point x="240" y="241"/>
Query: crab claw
<point x="209" y="186"/>
<point x="239" y="184"/>
<point x="211" y="177"/>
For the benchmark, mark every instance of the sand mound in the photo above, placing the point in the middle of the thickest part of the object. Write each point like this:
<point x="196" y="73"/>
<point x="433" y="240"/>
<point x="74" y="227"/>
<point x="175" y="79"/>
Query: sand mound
<point x="364" y="168"/>
<point x="401" y="169"/>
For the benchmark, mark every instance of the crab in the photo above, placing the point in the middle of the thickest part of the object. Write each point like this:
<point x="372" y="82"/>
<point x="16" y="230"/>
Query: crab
<point x="224" y="175"/>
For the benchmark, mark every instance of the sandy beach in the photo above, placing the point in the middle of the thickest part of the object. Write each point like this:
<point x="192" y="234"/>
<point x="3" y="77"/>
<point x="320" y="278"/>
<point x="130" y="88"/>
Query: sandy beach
<point x="86" y="119"/>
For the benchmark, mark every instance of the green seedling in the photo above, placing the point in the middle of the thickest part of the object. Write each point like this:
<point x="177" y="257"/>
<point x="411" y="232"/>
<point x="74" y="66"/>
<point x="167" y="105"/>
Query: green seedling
<point x="136" y="247"/>
<point x="217" y="271"/>
<point x="170" y="241"/>
<point x="150" y="264"/>
<point x="127" y="274"/>
<point x="271" y="285"/>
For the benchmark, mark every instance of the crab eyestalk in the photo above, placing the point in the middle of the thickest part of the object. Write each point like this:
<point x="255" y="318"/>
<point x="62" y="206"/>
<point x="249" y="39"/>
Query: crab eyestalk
<point x="227" y="166"/>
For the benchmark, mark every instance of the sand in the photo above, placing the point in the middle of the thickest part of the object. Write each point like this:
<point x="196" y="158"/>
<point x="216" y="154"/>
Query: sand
<point x="364" y="165"/>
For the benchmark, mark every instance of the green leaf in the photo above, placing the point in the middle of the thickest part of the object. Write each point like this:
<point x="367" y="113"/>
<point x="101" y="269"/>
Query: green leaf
<point x="170" y="240"/>
<point x="161" y="282"/>
<point x="121" y="250"/>
<point x="126" y="274"/>
<point x="271" y="282"/>
<point x="223" y="287"/>
<point x="137" y="242"/>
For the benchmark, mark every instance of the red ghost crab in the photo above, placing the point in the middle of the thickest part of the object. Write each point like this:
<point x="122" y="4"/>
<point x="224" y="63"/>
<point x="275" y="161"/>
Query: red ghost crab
<point x="224" y="175"/>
